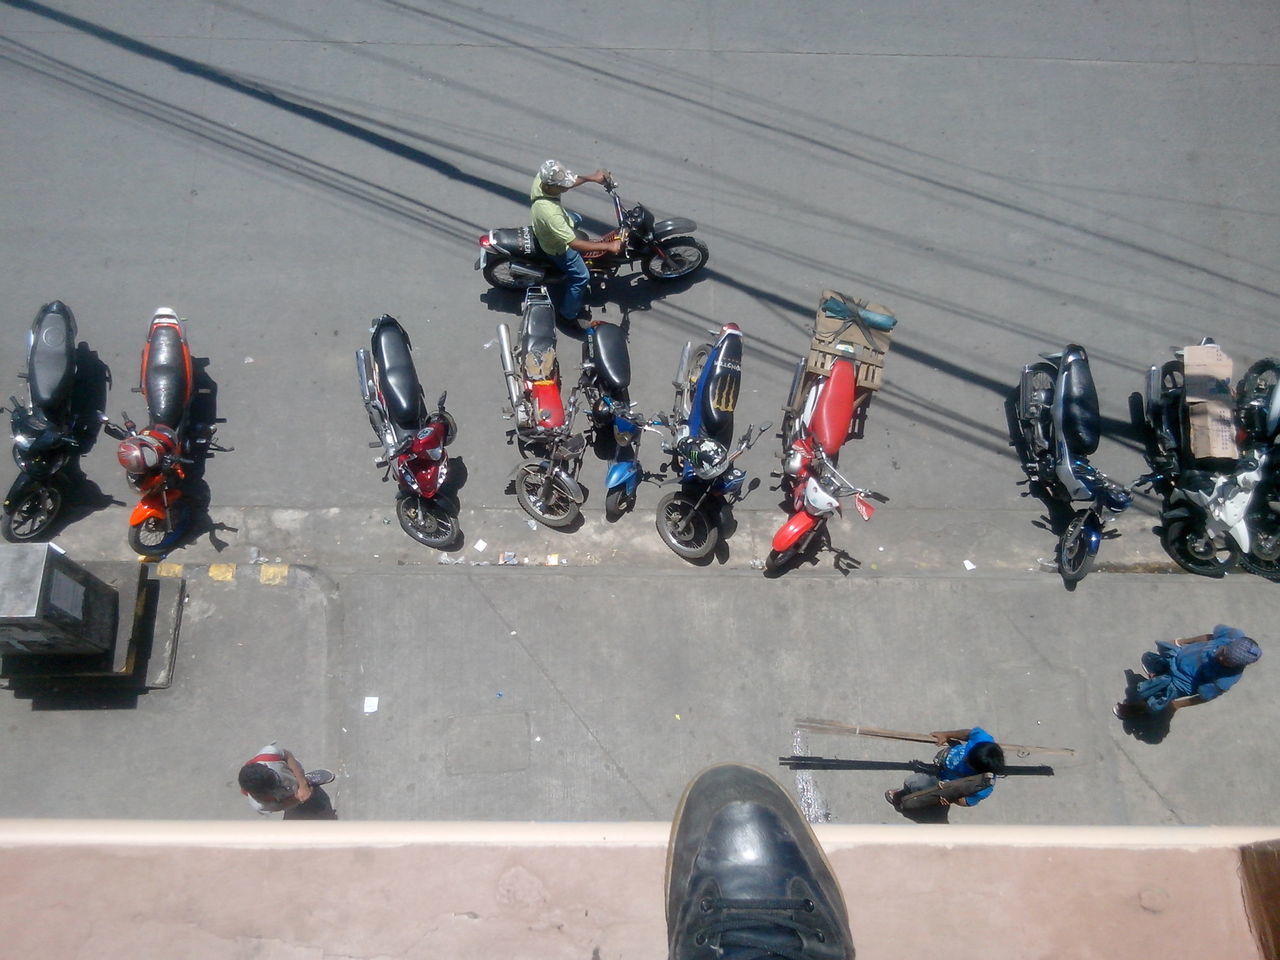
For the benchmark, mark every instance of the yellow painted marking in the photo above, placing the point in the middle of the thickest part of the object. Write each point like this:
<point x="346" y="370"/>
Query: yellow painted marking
<point x="273" y="573"/>
<point x="168" y="569"/>
<point x="222" y="571"/>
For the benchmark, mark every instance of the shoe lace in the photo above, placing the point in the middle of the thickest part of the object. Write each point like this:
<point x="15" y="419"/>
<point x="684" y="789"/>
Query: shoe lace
<point x="761" y="928"/>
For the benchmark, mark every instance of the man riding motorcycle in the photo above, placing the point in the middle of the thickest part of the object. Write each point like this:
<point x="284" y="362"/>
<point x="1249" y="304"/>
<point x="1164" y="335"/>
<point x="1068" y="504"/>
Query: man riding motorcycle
<point x="555" y="229"/>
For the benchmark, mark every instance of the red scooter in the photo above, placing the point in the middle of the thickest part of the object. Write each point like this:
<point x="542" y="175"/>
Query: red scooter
<point x="816" y="423"/>
<point x="413" y="440"/>
<point x="156" y="457"/>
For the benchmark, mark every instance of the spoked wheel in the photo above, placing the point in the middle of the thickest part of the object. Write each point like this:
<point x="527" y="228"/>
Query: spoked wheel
<point x="1263" y="558"/>
<point x="1074" y="558"/>
<point x="498" y="274"/>
<point x="153" y="536"/>
<point x="428" y="522"/>
<point x="1193" y="549"/>
<point x="684" y="255"/>
<point x="779" y="560"/>
<point x="33" y="514"/>
<point x="684" y="528"/>
<point x="544" y="496"/>
<point x="617" y="502"/>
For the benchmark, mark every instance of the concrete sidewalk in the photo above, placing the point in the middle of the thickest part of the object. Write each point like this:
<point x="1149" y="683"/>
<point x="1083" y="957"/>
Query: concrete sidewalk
<point x="593" y="694"/>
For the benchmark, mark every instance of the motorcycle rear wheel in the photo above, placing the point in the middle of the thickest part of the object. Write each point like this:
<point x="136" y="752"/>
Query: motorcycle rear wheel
<point x="32" y="515"/>
<point x="428" y="522"/>
<point x="498" y="274"/>
<point x="558" y="509"/>
<point x="152" y="537"/>
<point x="1188" y="542"/>
<point x="687" y="530"/>
<point x="687" y="256"/>
<point x="1074" y="559"/>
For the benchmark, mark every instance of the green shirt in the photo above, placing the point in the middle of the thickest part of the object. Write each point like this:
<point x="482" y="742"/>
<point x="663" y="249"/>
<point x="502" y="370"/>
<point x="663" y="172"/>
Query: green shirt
<point x="551" y="225"/>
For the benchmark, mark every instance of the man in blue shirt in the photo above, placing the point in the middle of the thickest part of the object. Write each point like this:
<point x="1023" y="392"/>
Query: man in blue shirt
<point x="965" y="753"/>
<point x="1191" y="671"/>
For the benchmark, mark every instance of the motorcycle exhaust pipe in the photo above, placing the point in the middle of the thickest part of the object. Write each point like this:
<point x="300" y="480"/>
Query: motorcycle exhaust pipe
<point x="509" y="367"/>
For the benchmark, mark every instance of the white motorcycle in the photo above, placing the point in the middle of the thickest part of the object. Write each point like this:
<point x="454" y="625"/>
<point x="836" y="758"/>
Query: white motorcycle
<point x="1206" y="503"/>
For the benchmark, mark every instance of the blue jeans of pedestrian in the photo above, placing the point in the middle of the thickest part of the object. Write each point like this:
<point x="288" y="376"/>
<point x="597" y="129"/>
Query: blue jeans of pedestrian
<point x="577" y="280"/>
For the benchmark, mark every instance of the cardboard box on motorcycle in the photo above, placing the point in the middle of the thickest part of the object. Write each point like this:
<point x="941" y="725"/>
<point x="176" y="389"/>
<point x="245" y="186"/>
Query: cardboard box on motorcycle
<point x="1209" y="401"/>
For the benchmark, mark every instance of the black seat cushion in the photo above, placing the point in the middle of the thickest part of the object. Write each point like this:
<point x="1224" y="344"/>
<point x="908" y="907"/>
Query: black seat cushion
<point x="51" y="365"/>
<point x="1081" y="422"/>
<point x="400" y="388"/>
<point x="608" y="346"/>
<point x="167" y="385"/>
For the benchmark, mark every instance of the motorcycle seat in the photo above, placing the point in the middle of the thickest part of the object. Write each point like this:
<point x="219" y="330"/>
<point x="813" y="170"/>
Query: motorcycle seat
<point x="834" y="411"/>
<point x="607" y="346"/>
<point x="515" y="241"/>
<point x="168" y="384"/>
<point x="51" y="365"/>
<point x="399" y="379"/>
<point x="1081" y="421"/>
<point x="538" y="345"/>
<point x="720" y="397"/>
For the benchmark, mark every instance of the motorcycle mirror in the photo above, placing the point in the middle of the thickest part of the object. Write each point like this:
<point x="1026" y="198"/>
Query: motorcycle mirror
<point x="440" y="402"/>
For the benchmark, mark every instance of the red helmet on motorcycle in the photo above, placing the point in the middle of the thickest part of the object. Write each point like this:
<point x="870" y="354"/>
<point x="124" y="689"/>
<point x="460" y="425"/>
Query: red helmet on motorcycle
<point x="145" y="452"/>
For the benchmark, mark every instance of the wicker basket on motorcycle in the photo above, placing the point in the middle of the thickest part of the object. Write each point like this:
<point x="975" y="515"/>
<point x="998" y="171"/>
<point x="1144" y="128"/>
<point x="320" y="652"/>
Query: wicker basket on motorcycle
<point x="839" y="331"/>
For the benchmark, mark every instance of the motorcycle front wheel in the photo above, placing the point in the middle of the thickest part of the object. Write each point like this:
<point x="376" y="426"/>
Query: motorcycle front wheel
<point x="1074" y="559"/>
<point x="428" y="522"/>
<point x="1194" y="550"/>
<point x="32" y="515"/>
<point x="153" y="536"/>
<point x="686" y="255"/>
<point x="546" y="499"/>
<point x="498" y="274"/>
<point x="684" y="528"/>
<point x="780" y="559"/>
<point x="617" y="502"/>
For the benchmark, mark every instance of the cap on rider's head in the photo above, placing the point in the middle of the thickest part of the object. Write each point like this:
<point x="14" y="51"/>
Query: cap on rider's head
<point x="553" y="173"/>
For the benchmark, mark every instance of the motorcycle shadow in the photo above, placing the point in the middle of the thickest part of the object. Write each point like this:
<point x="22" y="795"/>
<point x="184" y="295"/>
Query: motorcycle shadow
<point x="1145" y="727"/>
<point x="204" y="419"/>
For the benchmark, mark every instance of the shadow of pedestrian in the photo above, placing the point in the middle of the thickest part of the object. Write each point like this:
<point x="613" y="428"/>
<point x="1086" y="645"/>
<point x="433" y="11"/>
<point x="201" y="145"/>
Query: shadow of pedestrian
<point x="1145" y="727"/>
<point x="318" y="807"/>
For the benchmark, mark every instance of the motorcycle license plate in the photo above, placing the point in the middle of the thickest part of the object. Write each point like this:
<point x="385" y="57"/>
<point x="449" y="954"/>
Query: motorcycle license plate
<point x="479" y="261"/>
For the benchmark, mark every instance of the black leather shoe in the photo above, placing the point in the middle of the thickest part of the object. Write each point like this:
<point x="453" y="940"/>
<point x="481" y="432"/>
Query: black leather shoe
<point x="746" y="877"/>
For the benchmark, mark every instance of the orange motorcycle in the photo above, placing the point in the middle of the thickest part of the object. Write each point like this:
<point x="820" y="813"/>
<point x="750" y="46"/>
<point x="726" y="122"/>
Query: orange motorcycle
<point x="156" y="457"/>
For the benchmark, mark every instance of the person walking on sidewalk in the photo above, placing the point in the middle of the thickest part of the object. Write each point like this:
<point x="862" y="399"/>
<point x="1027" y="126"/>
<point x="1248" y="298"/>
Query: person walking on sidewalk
<point x="557" y="235"/>
<point x="274" y="781"/>
<point x="964" y="753"/>
<point x="1190" y="671"/>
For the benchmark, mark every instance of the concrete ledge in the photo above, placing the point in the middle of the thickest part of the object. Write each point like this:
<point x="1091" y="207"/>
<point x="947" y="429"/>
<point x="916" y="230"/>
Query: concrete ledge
<point x="271" y="890"/>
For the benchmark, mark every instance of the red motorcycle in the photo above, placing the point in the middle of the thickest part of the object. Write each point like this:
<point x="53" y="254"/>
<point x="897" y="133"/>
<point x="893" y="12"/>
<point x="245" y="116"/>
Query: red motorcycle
<point x="817" y="420"/>
<point x="413" y="441"/>
<point x="156" y="458"/>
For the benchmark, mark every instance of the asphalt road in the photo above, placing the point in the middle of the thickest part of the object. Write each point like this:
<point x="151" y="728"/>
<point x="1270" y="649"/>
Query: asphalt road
<point x="1007" y="183"/>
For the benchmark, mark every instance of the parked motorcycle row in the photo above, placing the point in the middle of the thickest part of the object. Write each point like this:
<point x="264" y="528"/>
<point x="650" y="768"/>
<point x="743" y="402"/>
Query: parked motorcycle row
<point x="1211" y="453"/>
<point x="49" y="433"/>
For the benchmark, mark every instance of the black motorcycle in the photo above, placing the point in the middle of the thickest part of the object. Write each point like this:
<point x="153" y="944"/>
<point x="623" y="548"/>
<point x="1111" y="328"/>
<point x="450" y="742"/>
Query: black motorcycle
<point x="47" y="435"/>
<point x="1060" y="424"/>
<point x="1258" y="414"/>
<point x="511" y="259"/>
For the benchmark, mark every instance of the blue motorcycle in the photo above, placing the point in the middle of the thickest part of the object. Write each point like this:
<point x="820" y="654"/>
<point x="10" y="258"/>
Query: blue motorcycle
<point x="701" y="433"/>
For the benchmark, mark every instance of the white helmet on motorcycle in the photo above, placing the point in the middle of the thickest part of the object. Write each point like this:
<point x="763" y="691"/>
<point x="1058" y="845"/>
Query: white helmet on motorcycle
<point x="553" y="173"/>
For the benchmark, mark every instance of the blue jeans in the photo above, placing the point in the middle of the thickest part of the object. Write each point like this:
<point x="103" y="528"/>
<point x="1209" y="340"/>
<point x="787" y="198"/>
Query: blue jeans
<point x="577" y="280"/>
